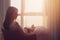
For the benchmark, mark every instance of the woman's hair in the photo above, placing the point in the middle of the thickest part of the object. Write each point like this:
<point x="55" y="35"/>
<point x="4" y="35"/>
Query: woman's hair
<point x="10" y="16"/>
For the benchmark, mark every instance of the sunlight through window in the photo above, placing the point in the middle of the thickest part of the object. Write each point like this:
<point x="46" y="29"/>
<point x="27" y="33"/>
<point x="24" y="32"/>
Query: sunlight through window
<point x="17" y="4"/>
<point x="30" y="20"/>
<point x="19" y="20"/>
<point x="34" y="6"/>
<point x="30" y="7"/>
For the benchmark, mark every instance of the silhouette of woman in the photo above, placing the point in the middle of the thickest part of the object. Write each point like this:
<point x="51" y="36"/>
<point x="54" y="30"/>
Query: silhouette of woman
<point x="12" y="29"/>
<point x="11" y="15"/>
<point x="11" y="26"/>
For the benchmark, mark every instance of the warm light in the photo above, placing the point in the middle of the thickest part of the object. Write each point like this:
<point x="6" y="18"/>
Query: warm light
<point x="17" y="4"/>
<point x="19" y="20"/>
<point x="30" y="6"/>
<point x="34" y="6"/>
<point x="30" y="20"/>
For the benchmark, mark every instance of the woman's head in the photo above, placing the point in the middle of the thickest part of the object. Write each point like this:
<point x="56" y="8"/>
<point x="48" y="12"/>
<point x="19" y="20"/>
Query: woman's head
<point x="11" y="15"/>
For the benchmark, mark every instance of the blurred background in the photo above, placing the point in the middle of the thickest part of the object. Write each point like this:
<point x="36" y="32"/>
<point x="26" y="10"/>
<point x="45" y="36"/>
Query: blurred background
<point x="43" y="14"/>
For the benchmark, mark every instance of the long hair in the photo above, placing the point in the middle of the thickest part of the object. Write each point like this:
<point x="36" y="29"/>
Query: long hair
<point x="9" y="17"/>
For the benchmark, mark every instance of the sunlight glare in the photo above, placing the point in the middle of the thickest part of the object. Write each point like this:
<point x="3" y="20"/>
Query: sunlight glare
<point x="34" y="6"/>
<point x="17" y="4"/>
<point x="30" y="6"/>
<point x="18" y="20"/>
<point x="30" y="20"/>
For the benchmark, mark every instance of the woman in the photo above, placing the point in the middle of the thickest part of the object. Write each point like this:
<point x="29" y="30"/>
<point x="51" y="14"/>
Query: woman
<point x="11" y="15"/>
<point x="12" y="29"/>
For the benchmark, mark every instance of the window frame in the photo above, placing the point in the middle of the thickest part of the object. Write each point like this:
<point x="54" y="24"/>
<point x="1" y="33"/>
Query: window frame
<point x="30" y="13"/>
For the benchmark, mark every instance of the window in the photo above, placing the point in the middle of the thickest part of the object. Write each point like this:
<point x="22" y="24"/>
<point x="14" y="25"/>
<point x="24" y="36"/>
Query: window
<point x="36" y="20"/>
<point x="16" y="4"/>
<point x="33" y="6"/>
<point x="30" y="12"/>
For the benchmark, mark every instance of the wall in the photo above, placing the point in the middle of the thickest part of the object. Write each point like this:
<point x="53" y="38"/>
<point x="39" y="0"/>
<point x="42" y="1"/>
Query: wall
<point x="58" y="24"/>
<point x="1" y="17"/>
<point x="3" y="7"/>
<point x="52" y="8"/>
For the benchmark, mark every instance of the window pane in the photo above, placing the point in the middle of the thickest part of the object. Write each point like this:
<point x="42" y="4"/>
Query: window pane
<point x="30" y="20"/>
<point x="17" y="4"/>
<point x="19" y="20"/>
<point x="33" y="6"/>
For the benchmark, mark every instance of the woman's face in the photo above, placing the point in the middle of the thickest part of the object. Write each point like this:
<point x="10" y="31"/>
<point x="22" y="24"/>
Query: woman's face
<point x="15" y="14"/>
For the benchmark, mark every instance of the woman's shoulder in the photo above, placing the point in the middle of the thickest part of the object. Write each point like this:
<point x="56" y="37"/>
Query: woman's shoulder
<point x="14" y="25"/>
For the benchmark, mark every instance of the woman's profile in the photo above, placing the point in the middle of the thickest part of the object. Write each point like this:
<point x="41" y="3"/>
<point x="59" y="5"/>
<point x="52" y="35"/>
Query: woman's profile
<point x="11" y="15"/>
<point x="12" y="30"/>
<point x="11" y="26"/>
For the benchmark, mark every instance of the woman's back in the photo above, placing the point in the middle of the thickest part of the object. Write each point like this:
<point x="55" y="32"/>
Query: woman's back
<point x="14" y="32"/>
